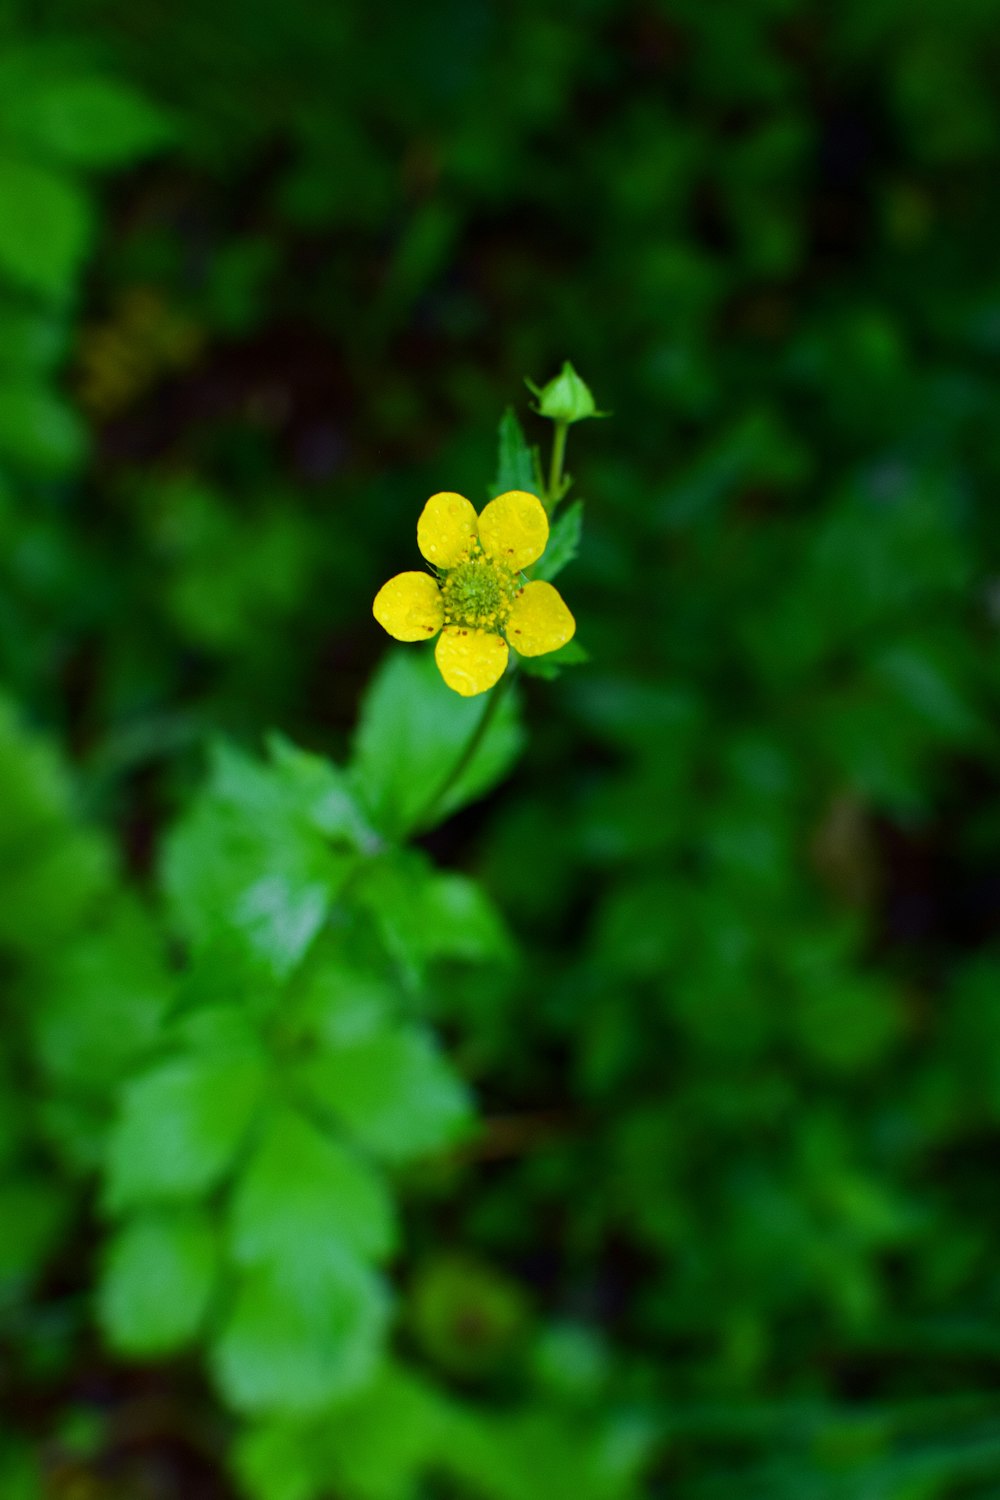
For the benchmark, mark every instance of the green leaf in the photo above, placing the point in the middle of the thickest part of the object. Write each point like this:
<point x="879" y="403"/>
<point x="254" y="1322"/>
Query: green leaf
<point x="45" y="228"/>
<point x="412" y="732"/>
<point x="322" y="792"/>
<point x="182" y="1123"/>
<point x="460" y="920"/>
<point x="339" y="1001"/>
<point x="302" y="1192"/>
<point x="394" y="1091"/>
<point x="517" y="1455"/>
<point x="378" y="1445"/>
<point x="56" y="882"/>
<point x="423" y="914"/>
<point x="925" y="677"/>
<point x="83" y="121"/>
<point x="281" y="1460"/>
<point x="52" y="870"/>
<point x="104" y="999"/>
<point x="31" y="338"/>
<point x="845" y="1022"/>
<point x="252" y="866"/>
<point x="33" y="1212"/>
<point x="563" y="544"/>
<point x="158" y="1277"/>
<point x="20" y="1471"/>
<point x="301" y="1334"/>
<point x="39" y="432"/>
<point x="517" y="464"/>
<point x="551" y="665"/>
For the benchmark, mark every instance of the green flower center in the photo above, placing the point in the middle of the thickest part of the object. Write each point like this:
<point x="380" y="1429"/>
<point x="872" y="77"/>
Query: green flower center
<point x="478" y="594"/>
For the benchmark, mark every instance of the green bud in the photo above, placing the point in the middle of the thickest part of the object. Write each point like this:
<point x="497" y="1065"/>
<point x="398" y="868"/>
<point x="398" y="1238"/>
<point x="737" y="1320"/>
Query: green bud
<point x="566" y="398"/>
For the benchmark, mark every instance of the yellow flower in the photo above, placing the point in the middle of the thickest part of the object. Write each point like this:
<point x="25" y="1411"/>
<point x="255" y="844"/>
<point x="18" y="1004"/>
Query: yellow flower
<point x="478" y="596"/>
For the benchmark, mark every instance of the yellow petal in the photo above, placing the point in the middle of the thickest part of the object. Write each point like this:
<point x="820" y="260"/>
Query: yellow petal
<point x="469" y="662"/>
<point x="539" y="620"/>
<point x="514" y="529"/>
<point x="446" y="529"/>
<point x="409" y="607"/>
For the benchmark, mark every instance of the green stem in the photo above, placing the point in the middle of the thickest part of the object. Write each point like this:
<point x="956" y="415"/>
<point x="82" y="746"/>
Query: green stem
<point x="472" y="744"/>
<point x="556" y="466"/>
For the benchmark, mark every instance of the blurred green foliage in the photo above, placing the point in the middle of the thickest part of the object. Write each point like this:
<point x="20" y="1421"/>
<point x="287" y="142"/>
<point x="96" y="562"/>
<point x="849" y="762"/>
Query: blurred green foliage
<point x="627" y="1125"/>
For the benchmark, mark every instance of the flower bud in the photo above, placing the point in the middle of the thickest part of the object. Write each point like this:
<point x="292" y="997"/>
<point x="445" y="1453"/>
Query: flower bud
<point x="566" y="398"/>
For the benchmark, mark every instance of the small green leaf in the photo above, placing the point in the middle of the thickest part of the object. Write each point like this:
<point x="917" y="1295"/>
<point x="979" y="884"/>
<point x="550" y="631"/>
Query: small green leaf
<point x="376" y="1445"/>
<point x="55" y="869"/>
<point x="281" y="1460"/>
<point x="301" y="1192"/>
<point x="157" y="1281"/>
<point x="394" y="1091"/>
<point x="31" y="338"/>
<point x="84" y="121"/>
<point x="45" y="228"/>
<point x="550" y="666"/>
<point x="182" y="1123"/>
<point x="564" y="543"/>
<point x="412" y="732"/>
<point x="460" y="920"/>
<point x="301" y="1334"/>
<point x="39" y="433"/>
<point x="517" y="464"/>
<point x="422" y="914"/>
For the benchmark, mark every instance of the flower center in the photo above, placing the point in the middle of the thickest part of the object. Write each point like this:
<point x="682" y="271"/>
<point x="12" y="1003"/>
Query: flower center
<point x="478" y="593"/>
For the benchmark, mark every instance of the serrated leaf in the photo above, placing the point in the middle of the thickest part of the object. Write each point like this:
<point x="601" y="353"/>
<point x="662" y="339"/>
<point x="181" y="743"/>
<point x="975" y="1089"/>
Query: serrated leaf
<point x="45" y="228"/>
<point x="303" y="1191"/>
<point x="394" y="1091"/>
<point x="181" y="1124"/>
<point x="157" y="1281"/>
<point x="412" y="733"/>
<point x="423" y="914"/>
<point x="301" y="1334"/>
<point x="563" y="544"/>
<point x="517" y="464"/>
<point x="252" y="866"/>
<point x="83" y="121"/>
<point x="323" y="792"/>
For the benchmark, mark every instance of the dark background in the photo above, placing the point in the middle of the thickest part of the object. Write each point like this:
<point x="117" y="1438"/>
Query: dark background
<point x="751" y="851"/>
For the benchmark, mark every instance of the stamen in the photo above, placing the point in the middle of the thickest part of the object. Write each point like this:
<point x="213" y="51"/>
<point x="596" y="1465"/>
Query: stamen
<point x="478" y="593"/>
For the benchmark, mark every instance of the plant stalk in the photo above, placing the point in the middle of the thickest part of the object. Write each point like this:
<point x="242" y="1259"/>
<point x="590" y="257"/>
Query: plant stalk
<point x="554" y="491"/>
<point x="472" y="744"/>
